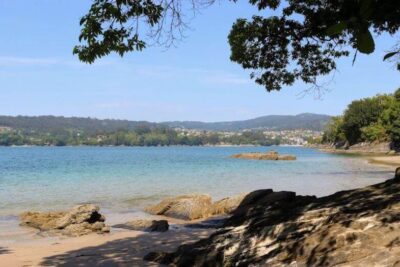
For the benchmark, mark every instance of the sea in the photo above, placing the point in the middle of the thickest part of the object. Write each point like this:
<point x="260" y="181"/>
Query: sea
<point x="123" y="180"/>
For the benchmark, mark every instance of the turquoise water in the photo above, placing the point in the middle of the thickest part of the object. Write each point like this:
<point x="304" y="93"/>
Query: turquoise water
<point x="127" y="178"/>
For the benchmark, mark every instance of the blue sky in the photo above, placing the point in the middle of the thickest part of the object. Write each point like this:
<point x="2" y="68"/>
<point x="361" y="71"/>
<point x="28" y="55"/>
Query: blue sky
<point x="195" y="81"/>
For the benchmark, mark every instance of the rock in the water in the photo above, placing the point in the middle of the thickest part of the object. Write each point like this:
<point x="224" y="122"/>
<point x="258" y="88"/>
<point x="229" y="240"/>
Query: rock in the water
<point x="185" y="207"/>
<point x="80" y="220"/>
<point x="270" y="155"/>
<point x="227" y="205"/>
<point x="145" y="225"/>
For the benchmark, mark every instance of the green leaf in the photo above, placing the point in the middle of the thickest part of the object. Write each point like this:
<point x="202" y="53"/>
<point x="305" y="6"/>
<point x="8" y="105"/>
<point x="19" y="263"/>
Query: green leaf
<point x="365" y="42"/>
<point x="337" y="28"/>
<point x="389" y="55"/>
<point x="366" y="8"/>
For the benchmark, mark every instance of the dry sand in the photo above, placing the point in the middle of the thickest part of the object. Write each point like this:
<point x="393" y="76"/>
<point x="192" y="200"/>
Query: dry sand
<point x="119" y="248"/>
<point x="386" y="160"/>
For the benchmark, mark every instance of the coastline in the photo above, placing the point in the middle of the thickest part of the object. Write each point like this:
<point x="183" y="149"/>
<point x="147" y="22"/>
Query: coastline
<point x="372" y="157"/>
<point x="385" y="160"/>
<point x="120" y="247"/>
<point x="128" y="247"/>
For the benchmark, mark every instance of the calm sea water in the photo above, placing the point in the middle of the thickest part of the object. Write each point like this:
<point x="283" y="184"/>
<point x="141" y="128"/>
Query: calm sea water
<point x="124" y="179"/>
<point x="120" y="178"/>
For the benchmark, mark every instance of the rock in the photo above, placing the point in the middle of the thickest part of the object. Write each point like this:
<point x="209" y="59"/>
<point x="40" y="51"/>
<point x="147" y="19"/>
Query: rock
<point x="270" y="155"/>
<point x="79" y="214"/>
<point x="41" y="220"/>
<point x="227" y="205"/>
<point x="397" y="173"/>
<point x="287" y="157"/>
<point x="185" y="207"/>
<point x="155" y="256"/>
<point x="80" y="220"/>
<point x="145" y="225"/>
<point x="259" y="200"/>
<point x="358" y="227"/>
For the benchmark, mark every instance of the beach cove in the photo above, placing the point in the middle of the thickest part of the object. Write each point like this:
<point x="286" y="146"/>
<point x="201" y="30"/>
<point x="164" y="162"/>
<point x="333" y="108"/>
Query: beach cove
<point x="118" y="179"/>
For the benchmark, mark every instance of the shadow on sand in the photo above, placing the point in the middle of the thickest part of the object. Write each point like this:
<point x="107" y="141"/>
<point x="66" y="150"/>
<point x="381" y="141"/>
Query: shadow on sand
<point x="126" y="251"/>
<point x="4" y="250"/>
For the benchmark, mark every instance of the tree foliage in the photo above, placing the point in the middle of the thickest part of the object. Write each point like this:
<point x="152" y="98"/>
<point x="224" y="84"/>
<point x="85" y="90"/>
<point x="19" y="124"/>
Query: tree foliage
<point x="122" y="26"/>
<point x="372" y="119"/>
<point x="334" y="131"/>
<point x="305" y="40"/>
<point x="363" y="113"/>
<point x="302" y="42"/>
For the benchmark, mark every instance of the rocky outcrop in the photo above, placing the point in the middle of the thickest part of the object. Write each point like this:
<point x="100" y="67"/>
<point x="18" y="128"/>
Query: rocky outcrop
<point x="145" y="225"/>
<point x="185" y="207"/>
<point x="364" y="148"/>
<point x="226" y="205"/>
<point x="374" y="148"/>
<point x="80" y="220"/>
<point x="351" y="228"/>
<point x="191" y="207"/>
<point x="270" y="155"/>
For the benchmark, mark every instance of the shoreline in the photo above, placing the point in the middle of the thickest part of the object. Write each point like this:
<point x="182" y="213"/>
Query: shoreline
<point x="120" y="247"/>
<point x="375" y="158"/>
<point x="385" y="160"/>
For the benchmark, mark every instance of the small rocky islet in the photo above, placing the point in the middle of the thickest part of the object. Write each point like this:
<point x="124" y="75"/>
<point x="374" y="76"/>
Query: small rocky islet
<point x="269" y="155"/>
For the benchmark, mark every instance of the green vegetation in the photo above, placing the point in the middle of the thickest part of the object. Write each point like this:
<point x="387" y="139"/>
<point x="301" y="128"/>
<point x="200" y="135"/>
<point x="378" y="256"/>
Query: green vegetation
<point x="140" y="136"/>
<point x="60" y="125"/>
<point x="306" y="121"/>
<point x="374" y="119"/>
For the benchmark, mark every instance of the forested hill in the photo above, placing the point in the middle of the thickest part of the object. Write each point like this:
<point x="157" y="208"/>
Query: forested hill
<point x="92" y="126"/>
<point x="53" y="124"/>
<point x="307" y="121"/>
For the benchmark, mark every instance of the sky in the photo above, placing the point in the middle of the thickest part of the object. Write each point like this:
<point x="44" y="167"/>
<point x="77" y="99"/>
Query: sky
<point x="193" y="81"/>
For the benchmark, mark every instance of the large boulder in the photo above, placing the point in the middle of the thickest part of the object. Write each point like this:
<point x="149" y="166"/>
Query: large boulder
<point x="227" y="205"/>
<point x="80" y="220"/>
<point x="358" y="227"/>
<point x="145" y="225"/>
<point x="41" y="220"/>
<point x="80" y="214"/>
<point x="185" y="207"/>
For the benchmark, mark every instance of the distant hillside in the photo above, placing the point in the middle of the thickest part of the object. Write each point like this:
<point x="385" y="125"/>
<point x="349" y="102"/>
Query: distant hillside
<point x="55" y="124"/>
<point x="276" y="122"/>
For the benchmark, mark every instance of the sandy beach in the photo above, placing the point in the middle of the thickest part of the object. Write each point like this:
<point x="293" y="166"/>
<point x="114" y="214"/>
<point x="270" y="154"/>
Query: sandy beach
<point x="386" y="160"/>
<point x="119" y="248"/>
